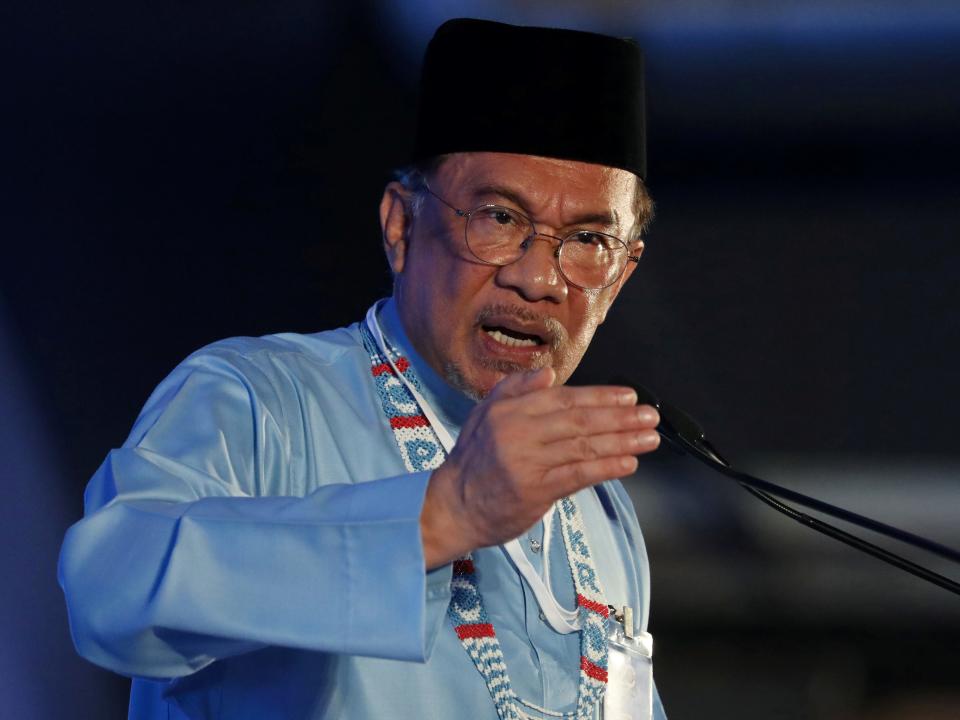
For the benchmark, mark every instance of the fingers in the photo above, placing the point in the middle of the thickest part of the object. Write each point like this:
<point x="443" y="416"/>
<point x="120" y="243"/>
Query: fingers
<point x="568" y="479"/>
<point x="548" y="414"/>
<point x="590" y="421"/>
<point x="594" y="447"/>
<point x="540" y="397"/>
<point x="566" y="397"/>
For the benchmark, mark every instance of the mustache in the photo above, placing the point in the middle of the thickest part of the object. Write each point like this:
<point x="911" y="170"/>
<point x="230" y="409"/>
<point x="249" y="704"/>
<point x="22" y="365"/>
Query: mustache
<point x="553" y="332"/>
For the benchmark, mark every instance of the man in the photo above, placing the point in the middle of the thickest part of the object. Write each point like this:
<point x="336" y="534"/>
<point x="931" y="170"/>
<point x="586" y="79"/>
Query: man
<point x="412" y="516"/>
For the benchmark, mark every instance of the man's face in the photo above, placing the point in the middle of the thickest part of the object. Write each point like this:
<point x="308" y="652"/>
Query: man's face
<point x="474" y="323"/>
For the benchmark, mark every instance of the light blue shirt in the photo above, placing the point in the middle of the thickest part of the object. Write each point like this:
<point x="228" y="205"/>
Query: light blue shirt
<point x="253" y="551"/>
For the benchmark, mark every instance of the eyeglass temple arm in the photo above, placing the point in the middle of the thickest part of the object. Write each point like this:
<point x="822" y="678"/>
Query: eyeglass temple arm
<point x="458" y="211"/>
<point x="764" y="491"/>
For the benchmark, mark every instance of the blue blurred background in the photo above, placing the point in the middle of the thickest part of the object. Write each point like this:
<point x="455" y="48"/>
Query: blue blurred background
<point x="178" y="172"/>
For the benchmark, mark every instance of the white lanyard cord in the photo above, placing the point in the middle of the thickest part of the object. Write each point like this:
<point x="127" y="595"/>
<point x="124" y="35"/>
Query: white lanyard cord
<point x="560" y="618"/>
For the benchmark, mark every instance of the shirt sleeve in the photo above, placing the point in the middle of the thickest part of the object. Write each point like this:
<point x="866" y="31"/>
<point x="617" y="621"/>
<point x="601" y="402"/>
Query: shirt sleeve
<point x="181" y="559"/>
<point x="658" y="712"/>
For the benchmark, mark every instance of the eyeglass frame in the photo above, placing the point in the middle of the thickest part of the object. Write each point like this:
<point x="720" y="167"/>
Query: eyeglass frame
<point x="560" y="240"/>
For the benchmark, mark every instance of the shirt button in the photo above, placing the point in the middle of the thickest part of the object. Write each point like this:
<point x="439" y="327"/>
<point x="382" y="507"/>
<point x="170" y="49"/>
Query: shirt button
<point x="542" y="616"/>
<point x="535" y="545"/>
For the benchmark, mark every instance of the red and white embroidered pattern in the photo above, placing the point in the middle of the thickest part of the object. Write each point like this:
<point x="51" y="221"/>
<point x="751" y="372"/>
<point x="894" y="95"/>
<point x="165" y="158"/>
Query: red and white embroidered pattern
<point x="421" y="450"/>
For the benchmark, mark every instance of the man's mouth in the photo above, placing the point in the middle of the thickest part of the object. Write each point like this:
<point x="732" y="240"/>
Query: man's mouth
<point x="512" y="338"/>
<point x="516" y="330"/>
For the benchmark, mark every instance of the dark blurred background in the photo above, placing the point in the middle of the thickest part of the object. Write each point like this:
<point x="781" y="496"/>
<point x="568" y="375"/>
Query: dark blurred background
<point x="174" y="173"/>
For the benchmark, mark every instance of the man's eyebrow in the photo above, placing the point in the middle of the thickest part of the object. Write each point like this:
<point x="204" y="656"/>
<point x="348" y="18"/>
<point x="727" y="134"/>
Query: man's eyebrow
<point x="504" y="193"/>
<point x="609" y="218"/>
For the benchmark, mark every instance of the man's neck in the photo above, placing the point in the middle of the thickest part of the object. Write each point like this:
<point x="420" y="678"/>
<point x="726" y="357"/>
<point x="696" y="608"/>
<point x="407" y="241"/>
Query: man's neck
<point x="451" y="403"/>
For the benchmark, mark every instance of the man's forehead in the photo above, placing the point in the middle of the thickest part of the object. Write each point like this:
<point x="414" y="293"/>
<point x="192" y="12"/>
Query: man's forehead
<point x="540" y="181"/>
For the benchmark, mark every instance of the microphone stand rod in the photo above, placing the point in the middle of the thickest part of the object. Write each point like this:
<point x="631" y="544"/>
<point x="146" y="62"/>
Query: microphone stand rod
<point x="717" y="463"/>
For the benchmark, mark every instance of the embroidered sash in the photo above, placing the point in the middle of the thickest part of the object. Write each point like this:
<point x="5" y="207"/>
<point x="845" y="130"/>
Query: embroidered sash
<point x="421" y="450"/>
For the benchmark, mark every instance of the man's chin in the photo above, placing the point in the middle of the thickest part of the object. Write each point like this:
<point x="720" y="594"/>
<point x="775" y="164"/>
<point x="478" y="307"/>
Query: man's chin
<point x="479" y="383"/>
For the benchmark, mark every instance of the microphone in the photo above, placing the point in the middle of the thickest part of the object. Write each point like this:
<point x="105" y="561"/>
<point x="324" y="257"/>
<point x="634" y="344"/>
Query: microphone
<point x="685" y="434"/>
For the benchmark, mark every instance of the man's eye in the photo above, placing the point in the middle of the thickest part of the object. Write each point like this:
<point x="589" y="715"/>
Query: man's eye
<point x="589" y="238"/>
<point x="496" y="216"/>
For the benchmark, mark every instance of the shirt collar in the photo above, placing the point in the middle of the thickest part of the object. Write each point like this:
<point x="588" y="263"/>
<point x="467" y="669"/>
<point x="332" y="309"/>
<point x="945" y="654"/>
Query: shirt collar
<point x="450" y="404"/>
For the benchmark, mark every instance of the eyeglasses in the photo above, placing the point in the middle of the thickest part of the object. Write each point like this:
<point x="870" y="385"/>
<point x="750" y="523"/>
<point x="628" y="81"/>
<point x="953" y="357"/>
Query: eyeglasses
<point x="498" y="235"/>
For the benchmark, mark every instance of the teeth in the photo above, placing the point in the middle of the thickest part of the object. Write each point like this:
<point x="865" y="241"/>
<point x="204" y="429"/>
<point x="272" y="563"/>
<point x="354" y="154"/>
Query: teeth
<point x="509" y="341"/>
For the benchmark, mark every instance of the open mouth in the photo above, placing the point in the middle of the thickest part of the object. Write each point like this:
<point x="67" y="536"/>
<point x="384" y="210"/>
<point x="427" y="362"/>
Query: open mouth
<point x="512" y="338"/>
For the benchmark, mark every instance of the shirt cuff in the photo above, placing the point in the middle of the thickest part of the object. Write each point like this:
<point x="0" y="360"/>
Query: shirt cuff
<point x="388" y="580"/>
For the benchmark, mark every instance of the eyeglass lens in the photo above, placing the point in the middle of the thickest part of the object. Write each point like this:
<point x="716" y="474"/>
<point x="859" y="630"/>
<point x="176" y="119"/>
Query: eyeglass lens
<point x="499" y="235"/>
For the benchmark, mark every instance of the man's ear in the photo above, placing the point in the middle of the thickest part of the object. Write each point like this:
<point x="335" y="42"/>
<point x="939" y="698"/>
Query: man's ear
<point x="614" y="290"/>
<point x="395" y="224"/>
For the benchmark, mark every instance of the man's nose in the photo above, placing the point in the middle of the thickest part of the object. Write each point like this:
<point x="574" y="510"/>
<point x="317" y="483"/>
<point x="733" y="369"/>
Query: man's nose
<point x="535" y="274"/>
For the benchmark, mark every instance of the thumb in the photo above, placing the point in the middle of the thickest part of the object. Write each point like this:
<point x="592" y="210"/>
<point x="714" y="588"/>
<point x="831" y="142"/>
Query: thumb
<point x="521" y="383"/>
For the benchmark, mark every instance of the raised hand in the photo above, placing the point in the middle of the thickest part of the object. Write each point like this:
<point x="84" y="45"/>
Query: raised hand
<point x="525" y="446"/>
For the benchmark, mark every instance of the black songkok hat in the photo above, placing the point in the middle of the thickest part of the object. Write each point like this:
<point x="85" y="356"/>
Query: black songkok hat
<point x="568" y="94"/>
